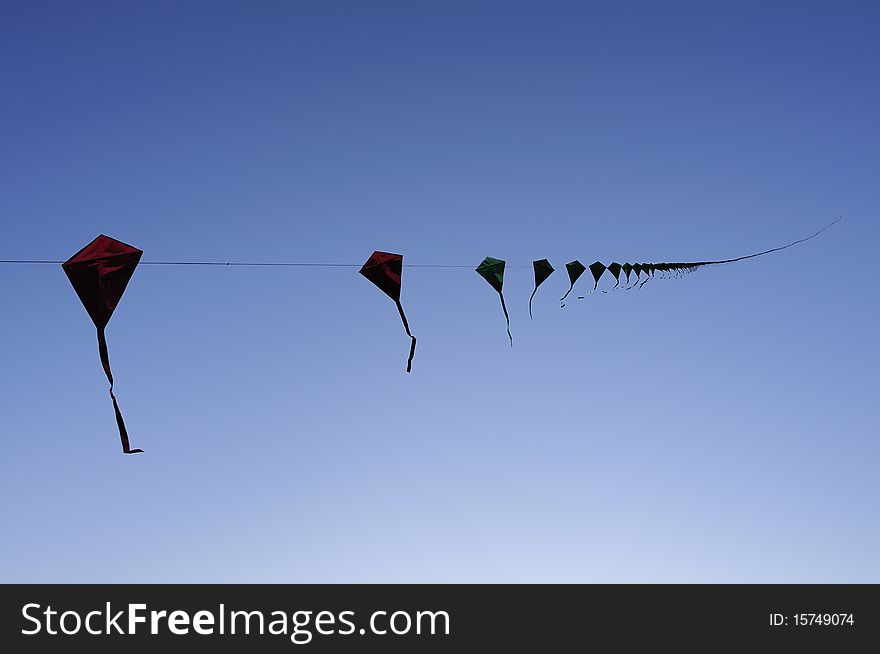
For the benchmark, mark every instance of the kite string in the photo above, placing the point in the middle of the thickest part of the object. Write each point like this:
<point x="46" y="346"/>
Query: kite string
<point x="299" y="264"/>
<point x="296" y="264"/>
<point x="776" y="249"/>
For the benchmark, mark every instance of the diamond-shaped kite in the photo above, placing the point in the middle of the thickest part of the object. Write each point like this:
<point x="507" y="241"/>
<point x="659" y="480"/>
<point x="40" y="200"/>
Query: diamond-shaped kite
<point x="597" y="268"/>
<point x="384" y="269"/>
<point x="543" y="270"/>
<point x="575" y="269"/>
<point x="614" y="269"/>
<point x="99" y="274"/>
<point x="627" y="270"/>
<point x="492" y="270"/>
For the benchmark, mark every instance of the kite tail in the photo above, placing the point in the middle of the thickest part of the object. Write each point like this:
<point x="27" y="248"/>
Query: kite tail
<point x="507" y="317"/>
<point x="105" y="357"/>
<point x="530" y="302"/>
<point x="412" y="348"/>
<point x="120" y="423"/>
<point x="567" y="292"/>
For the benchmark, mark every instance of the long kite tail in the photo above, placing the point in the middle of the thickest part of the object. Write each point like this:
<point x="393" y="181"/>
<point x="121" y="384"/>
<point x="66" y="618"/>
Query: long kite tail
<point x="506" y="317"/>
<point x="530" y="302"/>
<point x="120" y="423"/>
<point x="412" y="347"/>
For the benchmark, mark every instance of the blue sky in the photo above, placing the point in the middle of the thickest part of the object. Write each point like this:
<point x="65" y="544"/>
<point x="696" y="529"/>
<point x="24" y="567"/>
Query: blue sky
<point x="717" y="428"/>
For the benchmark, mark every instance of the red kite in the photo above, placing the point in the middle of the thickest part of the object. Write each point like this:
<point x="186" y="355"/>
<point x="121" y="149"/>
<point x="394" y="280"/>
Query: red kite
<point x="384" y="270"/>
<point x="99" y="274"/>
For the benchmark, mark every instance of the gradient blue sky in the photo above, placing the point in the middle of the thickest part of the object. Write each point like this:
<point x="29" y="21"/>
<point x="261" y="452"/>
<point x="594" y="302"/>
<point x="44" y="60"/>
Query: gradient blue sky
<point x="717" y="428"/>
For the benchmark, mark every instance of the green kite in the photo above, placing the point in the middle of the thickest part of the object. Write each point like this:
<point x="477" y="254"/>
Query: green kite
<point x="492" y="270"/>
<point x="543" y="270"/>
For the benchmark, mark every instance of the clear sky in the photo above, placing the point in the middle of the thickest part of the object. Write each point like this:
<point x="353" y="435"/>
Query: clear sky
<point x="717" y="428"/>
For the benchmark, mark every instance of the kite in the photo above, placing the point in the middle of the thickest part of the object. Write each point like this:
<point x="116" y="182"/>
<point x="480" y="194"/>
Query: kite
<point x="575" y="269"/>
<point x="543" y="270"/>
<point x="99" y="274"/>
<point x="637" y="269"/>
<point x="597" y="268"/>
<point x="384" y="269"/>
<point x="614" y="268"/>
<point x="627" y="270"/>
<point x="492" y="270"/>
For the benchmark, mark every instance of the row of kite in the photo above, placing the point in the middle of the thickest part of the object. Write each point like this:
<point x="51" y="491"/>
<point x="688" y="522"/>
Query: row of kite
<point x="100" y="272"/>
<point x="492" y="270"/>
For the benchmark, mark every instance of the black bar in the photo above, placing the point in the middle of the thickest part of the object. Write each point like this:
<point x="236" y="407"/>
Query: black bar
<point x="503" y="618"/>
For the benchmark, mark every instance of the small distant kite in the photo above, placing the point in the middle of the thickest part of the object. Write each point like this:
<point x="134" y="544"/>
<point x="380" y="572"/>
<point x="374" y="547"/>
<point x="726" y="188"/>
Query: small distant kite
<point x="385" y="269"/>
<point x="597" y="268"/>
<point x="627" y="270"/>
<point x="492" y="270"/>
<point x="575" y="270"/>
<point x="99" y="274"/>
<point x="614" y="268"/>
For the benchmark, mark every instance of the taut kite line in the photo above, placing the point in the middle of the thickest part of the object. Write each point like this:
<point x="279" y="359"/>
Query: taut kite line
<point x="575" y="269"/>
<point x="682" y="267"/>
